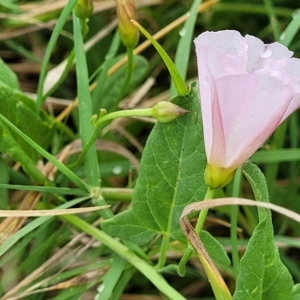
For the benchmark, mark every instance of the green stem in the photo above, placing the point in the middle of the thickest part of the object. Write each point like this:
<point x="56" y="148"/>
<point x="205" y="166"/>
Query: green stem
<point x="200" y="222"/>
<point x="203" y="213"/>
<point x="147" y="270"/>
<point x="146" y="112"/>
<point x="163" y="252"/>
<point x="120" y="194"/>
<point x="233" y="227"/>
<point x="128" y="74"/>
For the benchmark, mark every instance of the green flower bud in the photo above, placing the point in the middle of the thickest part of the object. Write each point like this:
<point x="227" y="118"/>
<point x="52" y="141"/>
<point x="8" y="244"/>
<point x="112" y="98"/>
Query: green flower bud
<point x="129" y="34"/>
<point x="165" y="111"/>
<point x="83" y="9"/>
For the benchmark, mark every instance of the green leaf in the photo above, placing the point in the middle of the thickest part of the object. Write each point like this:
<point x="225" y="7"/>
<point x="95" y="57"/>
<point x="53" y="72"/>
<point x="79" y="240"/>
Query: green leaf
<point x="171" y="176"/>
<point x="8" y="76"/>
<point x="215" y="250"/>
<point x="26" y="119"/>
<point x="262" y="274"/>
<point x="108" y="88"/>
<point x="296" y="292"/>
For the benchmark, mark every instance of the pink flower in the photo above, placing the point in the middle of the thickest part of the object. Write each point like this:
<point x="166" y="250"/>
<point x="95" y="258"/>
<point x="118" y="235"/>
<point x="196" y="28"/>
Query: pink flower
<point x="247" y="89"/>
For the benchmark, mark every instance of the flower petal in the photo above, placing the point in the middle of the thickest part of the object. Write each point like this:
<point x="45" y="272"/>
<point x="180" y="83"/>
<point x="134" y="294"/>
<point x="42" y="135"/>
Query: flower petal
<point x="247" y="89"/>
<point x="251" y="107"/>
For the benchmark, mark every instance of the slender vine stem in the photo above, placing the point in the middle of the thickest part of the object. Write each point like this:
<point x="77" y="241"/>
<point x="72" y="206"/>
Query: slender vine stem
<point x="146" y="112"/>
<point x="128" y="74"/>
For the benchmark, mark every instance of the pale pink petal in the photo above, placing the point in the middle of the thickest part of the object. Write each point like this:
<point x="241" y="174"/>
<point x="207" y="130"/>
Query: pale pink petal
<point x="255" y="46"/>
<point x="247" y="89"/>
<point x="251" y="107"/>
<point x="226" y="49"/>
<point x="258" y="53"/>
<point x="287" y="70"/>
<point x="211" y="54"/>
<point x="224" y="40"/>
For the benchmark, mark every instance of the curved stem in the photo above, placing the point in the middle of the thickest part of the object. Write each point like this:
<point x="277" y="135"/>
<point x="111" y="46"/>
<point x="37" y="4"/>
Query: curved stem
<point x="146" y="112"/>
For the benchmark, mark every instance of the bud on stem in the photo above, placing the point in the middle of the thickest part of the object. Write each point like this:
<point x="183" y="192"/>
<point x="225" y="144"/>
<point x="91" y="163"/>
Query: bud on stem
<point x="165" y="111"/>
<point x="83" y="9"/>
<point x="129" y="34"/>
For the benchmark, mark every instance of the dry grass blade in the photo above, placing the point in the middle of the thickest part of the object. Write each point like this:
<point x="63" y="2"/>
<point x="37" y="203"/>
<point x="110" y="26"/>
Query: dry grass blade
<point x="210" y="269"/>
<point x="10" y="224"/>
<point x="213" y="274"/>
<point x="197" y="206"/>
<point x="67" y="252"/>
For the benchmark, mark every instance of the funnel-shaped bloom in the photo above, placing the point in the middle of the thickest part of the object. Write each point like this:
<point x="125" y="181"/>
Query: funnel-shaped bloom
<point x="247" y="89"/>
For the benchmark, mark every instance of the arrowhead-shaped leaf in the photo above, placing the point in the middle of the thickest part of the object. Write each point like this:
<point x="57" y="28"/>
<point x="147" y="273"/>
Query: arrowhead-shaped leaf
<point x="171" y="176"/>
<point x="262" y="274"/>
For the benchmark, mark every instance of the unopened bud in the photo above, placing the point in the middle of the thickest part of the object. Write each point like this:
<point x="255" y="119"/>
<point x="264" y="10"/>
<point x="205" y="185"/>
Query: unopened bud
<point x="165" y="111"/>
<point x="129" y="34"/>
<point x="83" y="9"/>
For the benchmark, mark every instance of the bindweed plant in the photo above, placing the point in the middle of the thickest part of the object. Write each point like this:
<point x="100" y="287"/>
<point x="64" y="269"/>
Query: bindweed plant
<point x="179" y="196"/>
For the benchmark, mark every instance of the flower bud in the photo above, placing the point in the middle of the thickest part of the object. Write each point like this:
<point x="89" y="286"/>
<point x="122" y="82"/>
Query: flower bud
<point x="83" y="9"/>
<point x="129" y="34"/>
<point x="218" y="177"/>
<point x="165" y="111"/>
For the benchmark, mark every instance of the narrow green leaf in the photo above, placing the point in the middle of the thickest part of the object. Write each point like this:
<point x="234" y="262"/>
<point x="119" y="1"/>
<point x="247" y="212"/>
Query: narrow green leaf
<point x="43" y="189"/>
<point x="185" y="42"/>
<point x="65" y="170"/>
<point x="52" y="42"/>
<point x="291" y="30"/>
<point x="276" y="155"/>
<point x="178" y="82"/>
<point x="91" y="168"/>
<point x="262" y="274"/>
<point x="270" y="9"/>
<point x="171" y="176"/>
<point x="111" y="278"/>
